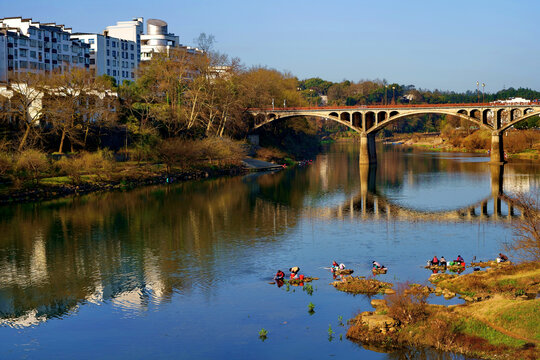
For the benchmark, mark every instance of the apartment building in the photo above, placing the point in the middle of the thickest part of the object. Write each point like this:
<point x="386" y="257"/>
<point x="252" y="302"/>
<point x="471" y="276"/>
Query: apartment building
<point x="3" y="58"/>
<point x="33" y="47"/>
<point x="112" y="56"/>
<point x="128" y="30"/>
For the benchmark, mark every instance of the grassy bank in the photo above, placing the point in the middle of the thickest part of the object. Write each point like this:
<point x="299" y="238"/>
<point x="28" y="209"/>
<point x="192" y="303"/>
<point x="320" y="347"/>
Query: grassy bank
<point x="522" y="144"/>
<point x="33" y="175"/>
<point x="502" y="320"/>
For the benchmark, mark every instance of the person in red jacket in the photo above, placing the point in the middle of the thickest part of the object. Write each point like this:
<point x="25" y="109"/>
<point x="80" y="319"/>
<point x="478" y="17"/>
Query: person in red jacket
<point x="280" y="275"/>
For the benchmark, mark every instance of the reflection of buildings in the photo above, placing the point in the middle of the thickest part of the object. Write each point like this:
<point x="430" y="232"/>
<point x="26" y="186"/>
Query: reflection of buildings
<point x="131" y="250"/>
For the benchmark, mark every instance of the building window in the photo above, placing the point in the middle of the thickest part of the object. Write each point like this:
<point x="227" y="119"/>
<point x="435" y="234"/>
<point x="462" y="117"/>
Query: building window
<point x="108" y="62"/>
<point x="114" y="44"/>
<point x="33" y="54"/>
<point x="23" y="64"/>
<point x="114" y="72"/>
<point x="132" y="57"/>
<point x="23" y="52"/>
<point x="108" y="52"/>
<point x="90" y="41"/>
<point x="132" y="47"/>
<point x="109" y="72"/>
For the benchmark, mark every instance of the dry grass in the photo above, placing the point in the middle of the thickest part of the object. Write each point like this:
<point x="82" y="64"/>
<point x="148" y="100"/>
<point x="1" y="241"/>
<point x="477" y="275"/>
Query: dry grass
<point x="270" y="154"/>
<point x="358" y="285"/>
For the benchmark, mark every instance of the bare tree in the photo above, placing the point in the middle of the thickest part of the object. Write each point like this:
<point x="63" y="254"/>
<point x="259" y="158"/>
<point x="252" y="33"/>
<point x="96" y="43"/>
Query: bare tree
<point x="25" y="94"/>
<point x="76" y="100"/>
<point x="527" y="228"/>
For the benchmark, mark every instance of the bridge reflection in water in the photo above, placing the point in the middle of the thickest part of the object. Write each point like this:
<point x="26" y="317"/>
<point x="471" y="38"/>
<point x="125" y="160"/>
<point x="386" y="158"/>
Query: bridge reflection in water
<point x="370" y="204"/>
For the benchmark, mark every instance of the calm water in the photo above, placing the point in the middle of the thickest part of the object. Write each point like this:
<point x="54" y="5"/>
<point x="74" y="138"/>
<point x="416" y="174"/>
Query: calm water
<point x="182" y="271"/>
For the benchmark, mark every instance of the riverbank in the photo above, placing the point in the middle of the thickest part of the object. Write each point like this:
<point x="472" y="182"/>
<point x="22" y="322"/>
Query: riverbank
<point x="499" y="320"/>
<point x="478" y="142"/>
<point x="127" y="175"/>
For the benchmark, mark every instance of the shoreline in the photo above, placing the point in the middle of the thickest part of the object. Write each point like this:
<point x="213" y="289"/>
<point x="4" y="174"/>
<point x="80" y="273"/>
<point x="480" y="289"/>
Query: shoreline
<point x="45" y="192"/>
<point x="499" y="320"/>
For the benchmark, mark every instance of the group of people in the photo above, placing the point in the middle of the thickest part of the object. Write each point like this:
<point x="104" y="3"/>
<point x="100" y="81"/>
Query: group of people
<point x="280" y="275"/>
<point x="442" y="261"/>
<point x="335" y="267"/>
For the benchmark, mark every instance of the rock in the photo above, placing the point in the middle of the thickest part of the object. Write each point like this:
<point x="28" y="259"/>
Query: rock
<point x="468" y="298"/>
<point x="366" y="313"/>
<point x="389" y="291"/>
<point x="379" y="322"/>
<point x="438" y="290"/>
<point x="379" y="303"/>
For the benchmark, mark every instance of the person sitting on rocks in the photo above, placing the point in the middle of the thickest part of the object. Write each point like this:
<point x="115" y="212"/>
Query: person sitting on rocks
<point x="376" y="265"/>
<point x="280" y="275"/>
<point x="294" y="272"/>
<point x="460" y="260"/>
<point x="342" y="266"/>
<point x="334" y="267"/>
<point x="435" y="261"/>
<point x="442" y="261"/>
<point x="502" y="258"/>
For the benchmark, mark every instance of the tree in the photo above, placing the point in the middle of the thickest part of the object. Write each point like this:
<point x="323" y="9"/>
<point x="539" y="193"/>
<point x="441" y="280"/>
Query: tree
<point x="76" y="100"/>
<point x="526" y="228"/>
<point x="25" y="94"/>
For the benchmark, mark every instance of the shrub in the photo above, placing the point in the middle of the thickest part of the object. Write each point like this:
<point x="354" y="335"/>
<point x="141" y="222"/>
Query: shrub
<point x="99" y="163"/>
<point x="478" y="140"/>
<point x="518" y="141"/>
<point x="31" y="164"/>
<point x="270" y="154"/>
<point x="6" y="164"/>
<point x="223" y="150"/>
<point x="407" y="304"/>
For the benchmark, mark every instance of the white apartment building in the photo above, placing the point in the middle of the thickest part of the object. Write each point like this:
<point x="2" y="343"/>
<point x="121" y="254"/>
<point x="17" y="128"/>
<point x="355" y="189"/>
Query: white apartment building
<point x="157" y="39"/>
<point x="112" y="56"/>
<point x="34" y="47"/>
<point x="3" y="58"/>
<point x="128" y="30"/>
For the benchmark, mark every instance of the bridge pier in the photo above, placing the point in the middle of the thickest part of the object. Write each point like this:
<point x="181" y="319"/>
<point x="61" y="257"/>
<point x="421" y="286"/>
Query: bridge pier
<point x="497" y="149"/>
<point x="368" y="153"/>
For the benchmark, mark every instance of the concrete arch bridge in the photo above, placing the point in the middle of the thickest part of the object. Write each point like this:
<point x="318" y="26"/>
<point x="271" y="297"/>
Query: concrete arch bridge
<point x="368" y="120"/>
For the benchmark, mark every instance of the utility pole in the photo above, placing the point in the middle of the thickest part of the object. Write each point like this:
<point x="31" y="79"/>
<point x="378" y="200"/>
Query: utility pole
<point x="385" y="96"/>
<point x="393" y="95"/>
<point x="284" y="103"/>
<point x="477" y="92"/>
<point x="483" y="87"/>
<point x="272" y="104"/>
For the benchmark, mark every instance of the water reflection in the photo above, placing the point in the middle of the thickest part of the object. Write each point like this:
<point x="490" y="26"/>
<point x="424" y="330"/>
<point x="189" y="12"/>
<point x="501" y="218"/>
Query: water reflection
<point x="137" y="250"/>
<point x="370" y="203"/>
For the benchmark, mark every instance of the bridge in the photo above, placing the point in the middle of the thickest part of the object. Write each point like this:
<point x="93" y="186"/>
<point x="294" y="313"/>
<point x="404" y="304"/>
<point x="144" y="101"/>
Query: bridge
<point x="367" y="120"/>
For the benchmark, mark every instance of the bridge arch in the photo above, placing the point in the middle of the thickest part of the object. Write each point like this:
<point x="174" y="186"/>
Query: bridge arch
<point x="329" y="117"/>
<point x="399" y="116"/>
<point x="517" y="121"/>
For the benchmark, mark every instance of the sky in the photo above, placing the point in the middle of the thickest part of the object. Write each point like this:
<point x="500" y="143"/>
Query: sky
<point x="432" y="44"/>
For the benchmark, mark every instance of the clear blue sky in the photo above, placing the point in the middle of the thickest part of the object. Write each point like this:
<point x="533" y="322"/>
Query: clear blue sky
<point x="447" y="45"/>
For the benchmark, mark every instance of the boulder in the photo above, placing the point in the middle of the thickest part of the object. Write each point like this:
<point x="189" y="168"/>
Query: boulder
<point x="379" y="303"/>
<point x="380" y="323"/>
<point x="389" y="291"/>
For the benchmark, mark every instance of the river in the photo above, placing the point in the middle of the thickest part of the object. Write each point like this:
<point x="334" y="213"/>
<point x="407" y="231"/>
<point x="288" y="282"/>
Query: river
<point x="182" y="271"/>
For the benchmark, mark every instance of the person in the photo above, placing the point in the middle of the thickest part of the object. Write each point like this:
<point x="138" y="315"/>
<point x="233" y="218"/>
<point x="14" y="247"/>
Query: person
<point x="334" y="267"/>
<point x="280" y="275"/>
<point x="460" y="260"/>
<point x="442" y="261"/>
<point x="502" y="258"/>
<point x="342" y="266"/>
<point x="294" y="271"/>
<point x="435" y="261"/>
<point x="376" y="265"/>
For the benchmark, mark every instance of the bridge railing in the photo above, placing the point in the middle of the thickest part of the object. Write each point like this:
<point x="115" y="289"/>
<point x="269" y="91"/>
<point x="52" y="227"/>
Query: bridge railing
<point x="401" y="106"/>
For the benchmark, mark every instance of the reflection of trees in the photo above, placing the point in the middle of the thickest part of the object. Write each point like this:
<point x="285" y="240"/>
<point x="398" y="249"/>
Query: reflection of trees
<point x="126" y="246"/>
